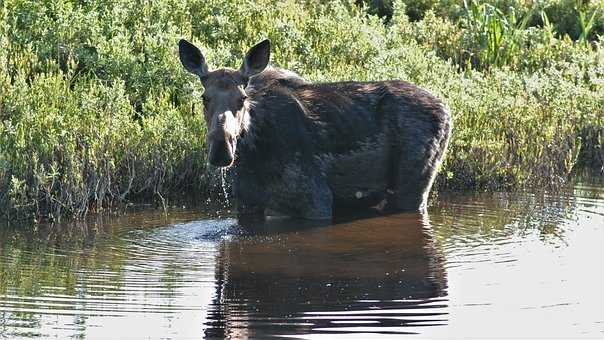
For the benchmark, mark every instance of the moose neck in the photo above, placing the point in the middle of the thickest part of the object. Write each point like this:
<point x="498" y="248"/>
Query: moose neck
<point x="257" y="142"/>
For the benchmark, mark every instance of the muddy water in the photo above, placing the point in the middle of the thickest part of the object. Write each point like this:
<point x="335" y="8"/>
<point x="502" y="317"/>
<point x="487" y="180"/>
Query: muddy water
<point x="479" y="265"/>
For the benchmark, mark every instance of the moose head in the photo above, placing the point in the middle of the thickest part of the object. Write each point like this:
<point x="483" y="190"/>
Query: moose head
<point x="226" y="104"/>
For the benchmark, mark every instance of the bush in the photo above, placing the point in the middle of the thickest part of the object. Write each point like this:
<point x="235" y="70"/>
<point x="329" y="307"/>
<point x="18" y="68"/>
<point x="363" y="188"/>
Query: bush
<point x="565" y="14"/>
<point x="96" y="110"/>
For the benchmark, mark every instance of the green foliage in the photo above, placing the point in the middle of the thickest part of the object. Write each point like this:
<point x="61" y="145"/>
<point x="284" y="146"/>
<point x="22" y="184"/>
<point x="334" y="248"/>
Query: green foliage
<point x="586" y="22"/>
<point x="569" y="16"/>
<point x="496" y="33"/>
<point x="95" y="108"/>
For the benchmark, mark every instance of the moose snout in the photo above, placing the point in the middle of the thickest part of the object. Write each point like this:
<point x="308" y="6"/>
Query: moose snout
<point x="221" y="152"/>
<point x="222" y="141"/>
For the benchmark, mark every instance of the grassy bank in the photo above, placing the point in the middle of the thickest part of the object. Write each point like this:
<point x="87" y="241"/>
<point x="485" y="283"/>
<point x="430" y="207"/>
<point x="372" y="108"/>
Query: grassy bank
<point x="96" y="110"/>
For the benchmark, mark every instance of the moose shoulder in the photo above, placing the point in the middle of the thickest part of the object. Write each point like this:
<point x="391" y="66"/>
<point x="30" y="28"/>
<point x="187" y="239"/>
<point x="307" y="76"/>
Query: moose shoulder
<point x="307" y="150"/>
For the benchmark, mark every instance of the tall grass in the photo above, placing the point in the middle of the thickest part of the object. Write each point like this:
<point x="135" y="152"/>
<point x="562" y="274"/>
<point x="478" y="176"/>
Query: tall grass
<point x="95" y="109"/>
<point x="586" y="22"/>
<point x="568" y="16"/>
<point x="497" y="34"/>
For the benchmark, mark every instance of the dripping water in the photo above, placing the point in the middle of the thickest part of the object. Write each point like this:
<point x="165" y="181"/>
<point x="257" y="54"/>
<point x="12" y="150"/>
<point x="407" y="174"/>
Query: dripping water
<point x="225" y="186"/>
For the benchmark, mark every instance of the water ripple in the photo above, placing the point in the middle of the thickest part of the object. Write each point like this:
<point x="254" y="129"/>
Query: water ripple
<point x="531" y="259"/>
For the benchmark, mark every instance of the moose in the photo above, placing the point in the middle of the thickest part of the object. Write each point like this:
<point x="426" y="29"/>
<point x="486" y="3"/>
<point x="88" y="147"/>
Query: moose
<point x="312" y="150"/>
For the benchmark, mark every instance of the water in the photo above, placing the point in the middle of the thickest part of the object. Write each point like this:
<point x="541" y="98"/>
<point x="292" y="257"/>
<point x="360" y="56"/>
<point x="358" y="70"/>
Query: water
<point x="478" y="266"/>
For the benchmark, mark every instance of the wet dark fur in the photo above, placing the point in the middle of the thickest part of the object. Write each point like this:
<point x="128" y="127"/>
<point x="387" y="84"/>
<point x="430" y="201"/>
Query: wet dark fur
<point x="312" y="149"/>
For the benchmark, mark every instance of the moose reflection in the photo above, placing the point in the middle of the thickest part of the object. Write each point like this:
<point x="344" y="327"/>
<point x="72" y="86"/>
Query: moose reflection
<point x="292" y="277"/>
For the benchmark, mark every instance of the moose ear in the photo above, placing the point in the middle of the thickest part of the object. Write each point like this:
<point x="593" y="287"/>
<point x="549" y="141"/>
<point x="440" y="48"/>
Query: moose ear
<point x="256" y="59"/>
<point x="192" y="59"/>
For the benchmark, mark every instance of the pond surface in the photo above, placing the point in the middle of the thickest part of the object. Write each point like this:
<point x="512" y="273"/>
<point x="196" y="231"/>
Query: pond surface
<point x="479" y="266"/>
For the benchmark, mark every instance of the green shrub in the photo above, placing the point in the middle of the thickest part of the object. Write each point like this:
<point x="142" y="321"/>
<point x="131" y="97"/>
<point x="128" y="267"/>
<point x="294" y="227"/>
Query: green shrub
<point x="95" y="109"/>
<point x="564" y="14"/>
